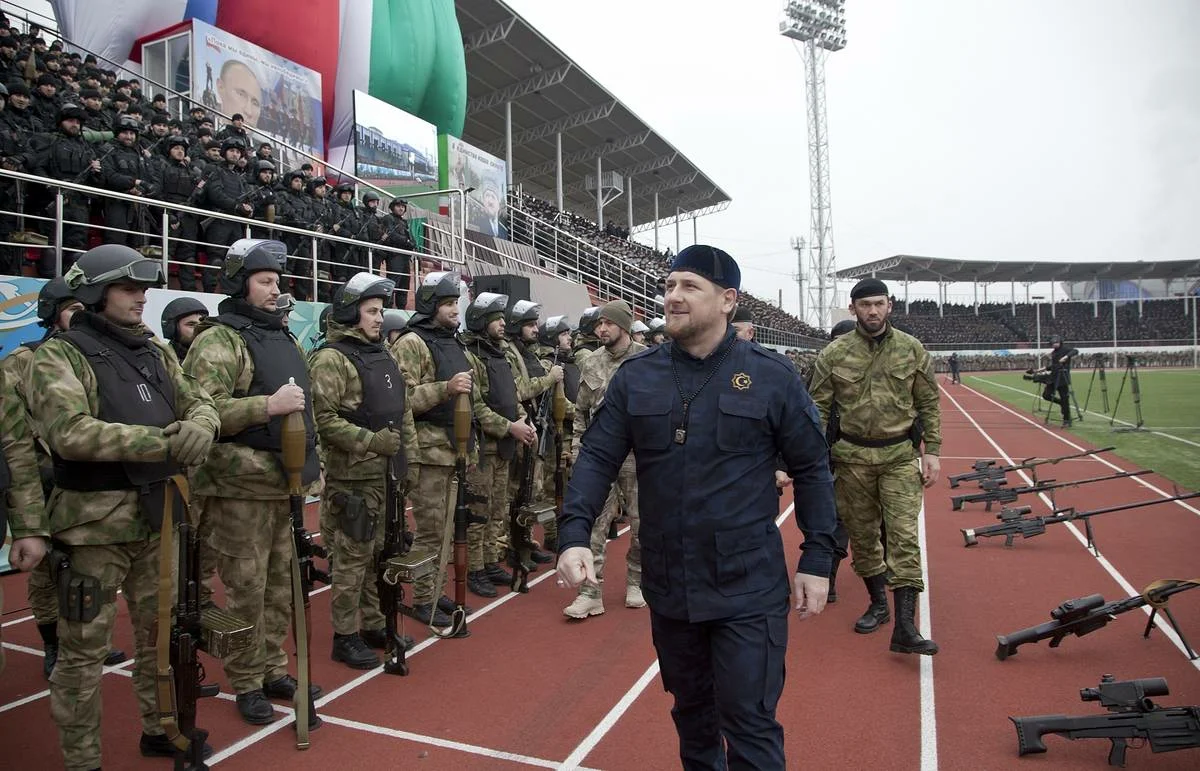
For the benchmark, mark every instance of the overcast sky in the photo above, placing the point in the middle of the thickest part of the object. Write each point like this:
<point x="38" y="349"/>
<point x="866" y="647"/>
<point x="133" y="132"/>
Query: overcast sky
<point x="978" y="129"/>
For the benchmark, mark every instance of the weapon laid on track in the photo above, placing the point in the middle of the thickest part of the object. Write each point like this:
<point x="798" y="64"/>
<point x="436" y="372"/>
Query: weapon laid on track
<point x="996" y="491"/>
<point x="987" y="469"/>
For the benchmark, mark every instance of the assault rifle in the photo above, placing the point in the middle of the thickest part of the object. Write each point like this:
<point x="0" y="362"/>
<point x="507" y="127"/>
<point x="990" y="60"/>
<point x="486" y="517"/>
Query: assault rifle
<point x="995" y="490"/>
<point x="560" y="434"/>
<point x="397" y="564"/>
<point x="179" y="674"/>
<point x="987" y="469"/>
<point x="304" y="573"/>
<point x="1132" y="715"/>
<point x="1084" y="615"/>
<point x="1016" y="522"/>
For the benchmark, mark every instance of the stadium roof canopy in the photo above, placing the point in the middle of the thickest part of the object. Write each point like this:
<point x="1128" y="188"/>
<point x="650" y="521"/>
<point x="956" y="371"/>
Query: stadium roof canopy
<point x="510" y="61"/>
<point x="907" y="267"/>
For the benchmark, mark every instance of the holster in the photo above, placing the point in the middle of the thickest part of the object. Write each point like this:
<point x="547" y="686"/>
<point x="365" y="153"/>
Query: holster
<point x="916" y="433"/>
<point x="353" y="517"/>
<point x="80" y="597"/>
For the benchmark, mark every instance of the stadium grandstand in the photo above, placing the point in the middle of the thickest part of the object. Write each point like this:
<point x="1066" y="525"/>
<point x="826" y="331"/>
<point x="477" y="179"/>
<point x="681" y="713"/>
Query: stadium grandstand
<point x="582" y="171"/>
<point x="1111" y="307"/>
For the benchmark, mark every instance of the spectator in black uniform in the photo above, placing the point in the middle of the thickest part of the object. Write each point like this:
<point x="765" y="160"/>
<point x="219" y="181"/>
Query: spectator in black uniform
<point x="123" y="170"/>
<point x="68" y="157"/>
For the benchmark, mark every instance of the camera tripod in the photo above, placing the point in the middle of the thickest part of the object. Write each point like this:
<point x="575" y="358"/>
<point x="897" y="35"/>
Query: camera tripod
<point x="1097" y="373"/>
<point x="1130" y="375"/>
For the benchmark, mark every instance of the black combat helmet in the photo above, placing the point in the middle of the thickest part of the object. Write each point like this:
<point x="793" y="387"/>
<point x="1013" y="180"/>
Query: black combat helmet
<point x="109" y="264"/>
<point x="262" y="165"/>
<point x="345" y="187"/>
<point x="369" y="196"/>
<point x="247" y="256"/>
<point x="437" y="286"/>
<point x="177" y="309"/>
<point x="50" y="299"/>
<point x="361" y="286"/>
<point x="588" y="319"/>
<point x="522" y="312"/>
<point x="180" y="140"/>
<point x="393" y="321"/>
<point x="551" y="328"/>
<point x="398" y="202"/>
<point x="68" y="111"/>
<point x="483" y="309"/>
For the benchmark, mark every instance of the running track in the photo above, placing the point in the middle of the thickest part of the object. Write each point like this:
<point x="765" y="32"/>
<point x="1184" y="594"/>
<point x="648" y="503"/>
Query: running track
<point x="530" y="690"/>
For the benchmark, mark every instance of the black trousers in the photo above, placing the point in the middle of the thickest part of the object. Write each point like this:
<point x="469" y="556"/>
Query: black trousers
<point x="726" y="677"/>
<point x="1063" y="397"/>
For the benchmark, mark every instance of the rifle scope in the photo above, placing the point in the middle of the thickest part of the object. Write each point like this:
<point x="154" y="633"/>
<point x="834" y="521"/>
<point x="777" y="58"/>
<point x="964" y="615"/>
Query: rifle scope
<point x="1127" y="694"/>
<point x="1072" y="609"/>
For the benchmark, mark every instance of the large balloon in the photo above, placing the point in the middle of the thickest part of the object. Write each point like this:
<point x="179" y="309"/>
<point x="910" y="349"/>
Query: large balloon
<point x="406" y="52"/>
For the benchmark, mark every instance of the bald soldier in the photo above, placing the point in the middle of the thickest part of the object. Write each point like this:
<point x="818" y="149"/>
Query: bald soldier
<point x="882" y="382"/>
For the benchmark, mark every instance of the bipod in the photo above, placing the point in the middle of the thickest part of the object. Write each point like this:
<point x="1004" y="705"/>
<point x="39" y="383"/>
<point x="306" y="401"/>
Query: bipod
<point x="1130" y="375"/>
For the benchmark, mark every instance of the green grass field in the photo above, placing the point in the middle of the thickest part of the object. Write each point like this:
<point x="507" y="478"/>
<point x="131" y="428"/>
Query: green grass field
<point x="1170" y="443"/>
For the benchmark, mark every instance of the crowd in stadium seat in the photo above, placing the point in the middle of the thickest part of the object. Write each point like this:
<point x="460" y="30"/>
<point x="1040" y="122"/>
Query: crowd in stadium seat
<point x="614" y="240"/>
<point x="1077" y="322"/>
<point x="67" y="118"/>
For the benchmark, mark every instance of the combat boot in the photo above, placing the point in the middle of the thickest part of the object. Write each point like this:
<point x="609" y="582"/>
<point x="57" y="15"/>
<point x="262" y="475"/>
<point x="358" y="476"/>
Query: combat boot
<point x="446" y="605"/>
<point x="353" y="652"/>
<point x="285" y="688"/>
<point x="421" y="614"/>
<point x="832" y="598"/>
<point x="633" y="597"/>
<point x="497" y="575"/>
<point x="159" y="746"/>
<point x="254" y="708"/>
<point x="586" y="604"/>
<point x="905" y="637"/>
<point x="377" y="638"/>
<point x="479" y="585"/>
<point x="614" y="531"/>
<point x="541" y="557"/>
<point x="49" y="633"/>
<point x="877" y="613"/>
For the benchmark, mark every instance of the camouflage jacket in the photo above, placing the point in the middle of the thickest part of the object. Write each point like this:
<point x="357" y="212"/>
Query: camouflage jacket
<point x="62" y="395"/>
<point x="585" y="346"/>
<point x="479" y="368"/>
<point x="880" y="388"/>
<point x="337" y="389"/>
<point x="803" y="363"/>
<point x="527" y="387"/>
<point x="26" y="508"/>
<point x="221" y="364"/>
<point x="594" y="374"/>
<point x="425" y="393"/>
<point x="546" y="355"/>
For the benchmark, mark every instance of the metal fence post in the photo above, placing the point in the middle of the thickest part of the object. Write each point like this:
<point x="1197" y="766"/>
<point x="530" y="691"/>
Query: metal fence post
<point x="58" y="232"/>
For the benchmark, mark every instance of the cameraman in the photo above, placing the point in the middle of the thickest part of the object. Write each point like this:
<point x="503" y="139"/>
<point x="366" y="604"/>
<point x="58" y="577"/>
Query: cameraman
<point x="1059" y="373"/>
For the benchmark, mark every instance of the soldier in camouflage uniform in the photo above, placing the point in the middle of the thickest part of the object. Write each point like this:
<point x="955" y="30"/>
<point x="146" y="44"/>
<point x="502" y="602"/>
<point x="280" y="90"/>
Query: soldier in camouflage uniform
<point x="119" y="418"/>
<point x="493" y="372"/>
<point x="364" y="425"/>
<point x="595" y="373"/>
<point x="244" y="358"/>
<point x="553" y="349"/>
<point x="534" y="383"/>
<point x="585" y="336"/>
<point x="638" y="332"/>
<point x="180" y="319"/>
<point x="882" y="382"/>
<point x="436" y="370"/>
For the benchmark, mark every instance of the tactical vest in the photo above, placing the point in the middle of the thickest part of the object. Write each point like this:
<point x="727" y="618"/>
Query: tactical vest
<point x="383" y="391"/>
<point x="501" y="395"/>
<point x="532" y="365"/>
<point x="177" y="182"/>
<point x="276" y="359"/>
<point x="133" y="388"/>
<point x="449" y="359"/>
<point x="571" y="380"/>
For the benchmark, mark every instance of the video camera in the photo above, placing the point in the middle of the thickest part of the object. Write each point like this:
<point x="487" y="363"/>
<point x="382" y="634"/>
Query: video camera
<point x="1037" y="376"/>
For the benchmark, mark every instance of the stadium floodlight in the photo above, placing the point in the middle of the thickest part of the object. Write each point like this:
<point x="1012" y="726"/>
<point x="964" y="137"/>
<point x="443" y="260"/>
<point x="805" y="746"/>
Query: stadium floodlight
<point x="820" y="25"/>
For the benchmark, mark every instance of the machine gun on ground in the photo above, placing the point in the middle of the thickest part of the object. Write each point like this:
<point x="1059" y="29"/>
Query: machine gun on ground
<point x="996" y="491"/>
<point x="179" y="676"/>
<point x="1132" y="715"/>
<point x="397" y="564"/>
<point x="987" y="469"/>
<point x="304" y="573"/>
<point x="1085" y="615"/>
<point x="1017" y="522"/>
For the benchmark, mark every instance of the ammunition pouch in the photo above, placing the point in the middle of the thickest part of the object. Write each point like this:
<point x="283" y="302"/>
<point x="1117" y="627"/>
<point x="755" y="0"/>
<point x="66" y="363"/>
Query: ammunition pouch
<point x="531" y="514"/>
<point x="353" y="517"/>
<point x="223" y="634"/>
<point x="410" y="567"/>
<point x="80" y="597"/>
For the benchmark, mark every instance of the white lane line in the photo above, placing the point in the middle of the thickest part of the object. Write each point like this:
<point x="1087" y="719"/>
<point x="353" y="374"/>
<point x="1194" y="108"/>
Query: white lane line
<point x="608" y="721"/>
<point x="1104" y="563"/>
<point x="1071" y="444"/>
<point x="26" y="700"/>
<point x="15" y="621"/>
<point x="929" y="746"/>
<point x="263" y="733"/>
<point x="1093" y="412"/>
<point x="434" y="741"/>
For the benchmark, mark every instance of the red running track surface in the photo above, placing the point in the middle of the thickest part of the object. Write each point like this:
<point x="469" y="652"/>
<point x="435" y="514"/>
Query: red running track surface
<point x="530" y="689"/>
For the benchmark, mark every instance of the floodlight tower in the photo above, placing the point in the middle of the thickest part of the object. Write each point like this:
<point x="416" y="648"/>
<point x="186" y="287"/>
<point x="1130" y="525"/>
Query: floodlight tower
<point x="821" y="26"/>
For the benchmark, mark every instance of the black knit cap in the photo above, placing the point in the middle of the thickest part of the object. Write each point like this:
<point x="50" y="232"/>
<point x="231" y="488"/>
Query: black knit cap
<point x="710" y="262"/>
<point x="868" y="287"/>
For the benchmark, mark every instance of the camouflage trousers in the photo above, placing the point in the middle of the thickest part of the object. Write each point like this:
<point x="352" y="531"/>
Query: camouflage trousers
<point x="890" y="493"/>
<point x="75" y="687"/>
<point x="487" y="542"/>
<point x="429" y="514"/>
<point x="354" y="590"/>
<point x="43" y="595"/>
<point x="208" y="556"/>
<point x="623" y="493"/>
<point x="253" y="544"/>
